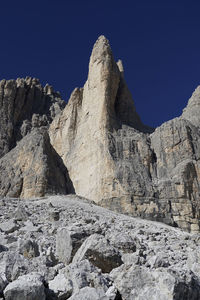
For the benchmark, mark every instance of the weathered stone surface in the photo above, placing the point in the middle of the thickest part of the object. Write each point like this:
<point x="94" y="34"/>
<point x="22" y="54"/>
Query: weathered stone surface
<point x="99" y="147"/>
<point x="99" y="252"/>
<point x="29" y="287"/>
<point x="33" y="168"/>
<point x="20" y="214"/>
<point x="122" y="164"/>
<point x="68" y="241"/>
<point x="159" y="261"/>
<point x="82" y="135"/>
<point x="63" y="245"/>
<point x="192" y="110"/>
<point x="24" y="104"/>
<point x="140" y="283"/>
<point x="89" y="293"/>
<point x="28" y="248"/>
<point x="61" y="287"/>
<point x="3" y="284"/>
<point x="83" y="274"/>
<point x="8" y="226"/>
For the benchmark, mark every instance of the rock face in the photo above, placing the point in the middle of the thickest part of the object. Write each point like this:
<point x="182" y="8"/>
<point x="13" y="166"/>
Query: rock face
<point x="24" y="104"/>
<point x="88" y="124"/>
<point x="29" y="166"/>
<point x="33" y="168"/>
<point x="118" y="162"/>
<point x="98" y="147"/>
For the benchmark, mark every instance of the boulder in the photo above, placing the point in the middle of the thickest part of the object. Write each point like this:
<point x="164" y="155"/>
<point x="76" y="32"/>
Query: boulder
<point x="61" y="287"/>
<point x="68" y="241"/>
<point x="99" y="252"/>
<point x="89" y="293"/>
<point x="29" y="287"/>
<point x="84" y="274"/>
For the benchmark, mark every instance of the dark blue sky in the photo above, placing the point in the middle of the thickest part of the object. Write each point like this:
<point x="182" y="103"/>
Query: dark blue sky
<point x="158" y="42"/>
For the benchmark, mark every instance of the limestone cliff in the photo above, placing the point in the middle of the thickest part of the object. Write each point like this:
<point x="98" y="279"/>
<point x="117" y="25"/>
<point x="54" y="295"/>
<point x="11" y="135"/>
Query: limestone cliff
<point x="83" y="133"/>
<point x="24" y="104"/>
<point x="117" y="161"/>
<point x="99" y="147"/>
<point x="29" y="166"/>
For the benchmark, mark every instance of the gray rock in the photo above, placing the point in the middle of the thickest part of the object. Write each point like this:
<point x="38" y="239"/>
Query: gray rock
<point x="20" y="214"/>
<point x="63" y="245"/>
<point x="33" y="168"/>
<point x="99" y="252"/>
<point x="89" y="293"/>
<point x="29" y="287"/>
<point x="83" y="274"/>
<point x="134" y="169"/>
<point x="68" y="240"/>
<point x="30" y="227"/>
<point x="61" y="287"/>
<point x="140" y="283"/>
<point x="20" y="100"/>
<point x="9" y="226"/>
<point x="159" y="261"/>
<point x="3" y="284"/>
<point x="28" y="248"/>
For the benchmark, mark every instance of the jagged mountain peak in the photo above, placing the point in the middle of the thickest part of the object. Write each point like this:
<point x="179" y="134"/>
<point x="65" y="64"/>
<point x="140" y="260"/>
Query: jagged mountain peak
<point x="108" y="154"/>
<point x="101" y="48"/>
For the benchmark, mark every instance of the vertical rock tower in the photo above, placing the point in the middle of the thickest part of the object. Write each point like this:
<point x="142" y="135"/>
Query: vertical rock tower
<point x="83" y="133"/>
<point x="117" y="161"/>
<point x="98" y="147"/>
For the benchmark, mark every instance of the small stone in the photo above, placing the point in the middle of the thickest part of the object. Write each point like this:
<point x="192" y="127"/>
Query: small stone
<point x="61" y="286"/>
<point x="9" y="226"/>
<point x="54" y="215"/>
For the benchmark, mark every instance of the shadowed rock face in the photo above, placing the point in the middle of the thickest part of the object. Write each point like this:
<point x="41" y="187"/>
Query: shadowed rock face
<point x="24" y="104"/>
<point x="29" y="166"/>
<point x="33" y="169"/>
<point x="117" y="161"/>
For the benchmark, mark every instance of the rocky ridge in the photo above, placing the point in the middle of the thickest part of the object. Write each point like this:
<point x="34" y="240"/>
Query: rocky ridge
<point x="117" y="161"/>
<point x="97" y="146"/>
<point x="66" y="247"/>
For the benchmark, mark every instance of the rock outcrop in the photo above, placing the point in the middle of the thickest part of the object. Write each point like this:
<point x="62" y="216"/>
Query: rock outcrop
<point x="33" y="168"/>
<point x="99" y="148"/>
<point x="29" y="166"/>
<point x="24" y="104"/>
<point x="117" y="161"/>
<point x="83" y="133"/>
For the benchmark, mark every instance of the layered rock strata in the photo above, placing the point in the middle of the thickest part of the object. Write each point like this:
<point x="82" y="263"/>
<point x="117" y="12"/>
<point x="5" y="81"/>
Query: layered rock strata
<point x="99" y="148"/>
<point x="117" y="161"/>
<point x="29" y="165"/>
<point x="24" y="104"/>
<point x="33" y="169"/>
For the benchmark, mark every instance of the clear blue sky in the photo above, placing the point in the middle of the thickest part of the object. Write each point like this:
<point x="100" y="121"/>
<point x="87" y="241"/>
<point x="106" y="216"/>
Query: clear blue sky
<point x="158" y="42"/>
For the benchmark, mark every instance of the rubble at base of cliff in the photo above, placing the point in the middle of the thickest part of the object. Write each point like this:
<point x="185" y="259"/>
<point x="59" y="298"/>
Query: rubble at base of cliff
<point x="66" y="247"/>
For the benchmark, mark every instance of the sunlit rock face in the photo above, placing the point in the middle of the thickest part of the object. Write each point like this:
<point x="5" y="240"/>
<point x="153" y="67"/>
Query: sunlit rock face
<point x="117" y="161"/>
<point x="98" y="147"/>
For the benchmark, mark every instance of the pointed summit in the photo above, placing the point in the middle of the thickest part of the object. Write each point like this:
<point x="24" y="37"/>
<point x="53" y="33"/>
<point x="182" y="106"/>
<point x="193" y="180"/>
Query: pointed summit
<point x="101" y="49"/>
<point x="90" y="124"/>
